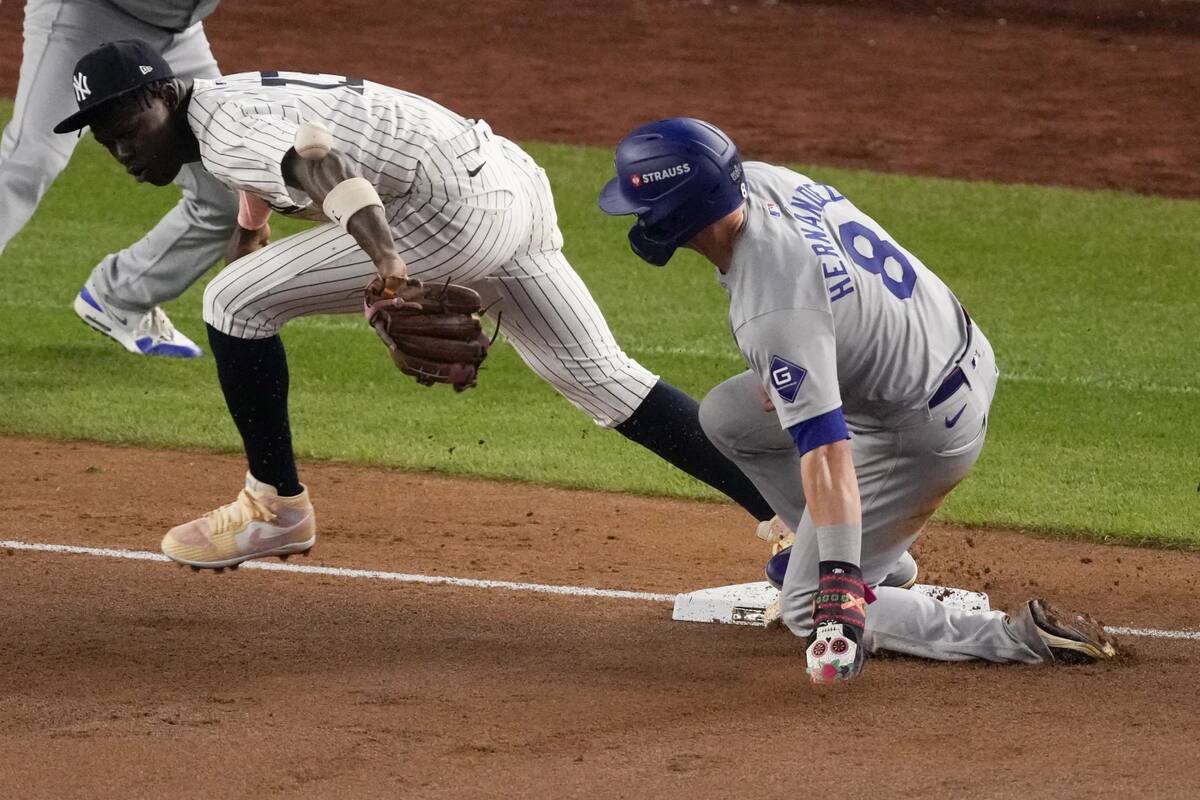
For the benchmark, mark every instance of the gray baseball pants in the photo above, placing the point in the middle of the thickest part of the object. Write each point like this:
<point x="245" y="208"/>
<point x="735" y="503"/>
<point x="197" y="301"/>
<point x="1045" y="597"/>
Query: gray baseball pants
<point x="192" y="235"/>
<point x="904" y="472"/>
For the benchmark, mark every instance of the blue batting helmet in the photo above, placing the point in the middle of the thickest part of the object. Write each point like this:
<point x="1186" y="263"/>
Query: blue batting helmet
<point x="678" y="176"/>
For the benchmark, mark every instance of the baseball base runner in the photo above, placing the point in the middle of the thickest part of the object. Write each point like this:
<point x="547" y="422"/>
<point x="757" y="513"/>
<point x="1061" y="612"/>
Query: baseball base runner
<point x="866" y="401"/>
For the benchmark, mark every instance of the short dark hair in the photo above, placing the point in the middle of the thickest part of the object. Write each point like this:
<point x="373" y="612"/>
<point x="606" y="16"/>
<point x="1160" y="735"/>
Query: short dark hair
<point x="140" y="97"/>
<point x="146" y="92"/>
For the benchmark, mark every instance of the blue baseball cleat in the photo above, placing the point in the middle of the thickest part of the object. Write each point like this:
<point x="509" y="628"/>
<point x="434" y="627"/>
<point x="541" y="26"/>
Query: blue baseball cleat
<point x="902" y="576"/>
<point x="148" y="333"/>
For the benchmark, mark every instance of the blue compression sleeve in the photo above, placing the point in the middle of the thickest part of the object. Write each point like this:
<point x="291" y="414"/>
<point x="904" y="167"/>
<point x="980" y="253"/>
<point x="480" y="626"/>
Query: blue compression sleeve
<point x="820" y="430"/>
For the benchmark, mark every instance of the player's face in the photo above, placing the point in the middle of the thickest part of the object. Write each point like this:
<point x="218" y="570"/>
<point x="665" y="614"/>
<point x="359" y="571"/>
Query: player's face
<point x="142" y="137"/>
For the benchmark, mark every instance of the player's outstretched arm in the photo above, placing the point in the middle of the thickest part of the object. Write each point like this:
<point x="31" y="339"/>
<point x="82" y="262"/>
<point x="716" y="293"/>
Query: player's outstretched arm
<point x="839" y="610"/>
<point x="831" y="485"/>
<point x="431" y="332"/>
<point x="349" y="200"/>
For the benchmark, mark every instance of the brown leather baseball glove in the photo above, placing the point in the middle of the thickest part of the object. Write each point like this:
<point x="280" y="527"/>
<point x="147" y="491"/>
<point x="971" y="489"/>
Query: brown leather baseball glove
<point x="431" y="330"/>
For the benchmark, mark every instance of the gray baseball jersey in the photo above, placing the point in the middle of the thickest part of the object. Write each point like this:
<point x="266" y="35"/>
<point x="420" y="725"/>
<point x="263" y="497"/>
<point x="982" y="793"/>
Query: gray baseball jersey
<point x="830" y="310"/>
<point x="175" y="16"/>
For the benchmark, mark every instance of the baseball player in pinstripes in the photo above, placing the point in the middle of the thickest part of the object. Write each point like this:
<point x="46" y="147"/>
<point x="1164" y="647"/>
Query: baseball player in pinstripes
<point x="878" y="380"/>
<point x="416" y="190"/>
<point x="121" y="297"/>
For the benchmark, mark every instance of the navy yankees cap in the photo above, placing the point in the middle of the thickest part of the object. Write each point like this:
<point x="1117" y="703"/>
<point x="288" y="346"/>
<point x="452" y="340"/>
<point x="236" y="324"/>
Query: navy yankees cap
<point x="111" y="70"/>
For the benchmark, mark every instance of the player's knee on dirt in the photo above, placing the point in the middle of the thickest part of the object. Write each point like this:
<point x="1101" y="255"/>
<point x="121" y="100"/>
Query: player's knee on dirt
<point x="796" y="611"/>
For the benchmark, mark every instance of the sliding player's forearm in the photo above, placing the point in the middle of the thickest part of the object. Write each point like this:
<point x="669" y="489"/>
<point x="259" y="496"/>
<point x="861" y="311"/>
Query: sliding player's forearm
<point x="830" y="485"/>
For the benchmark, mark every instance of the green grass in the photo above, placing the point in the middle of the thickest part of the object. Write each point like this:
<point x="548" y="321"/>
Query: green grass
<point x="1090" y="299"/>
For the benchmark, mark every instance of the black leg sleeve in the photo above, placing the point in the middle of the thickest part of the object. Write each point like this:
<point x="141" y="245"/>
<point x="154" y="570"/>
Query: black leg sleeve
<point x="254" y="379"/>
<point x="668" y="424"/>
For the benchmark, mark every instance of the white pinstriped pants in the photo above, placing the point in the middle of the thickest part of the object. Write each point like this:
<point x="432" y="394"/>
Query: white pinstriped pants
<point x="496" y="231"/>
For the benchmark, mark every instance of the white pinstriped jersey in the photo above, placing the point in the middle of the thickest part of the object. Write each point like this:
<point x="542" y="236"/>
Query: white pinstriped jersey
<point x="246" y="124"/>
<point x="463" y="204"/>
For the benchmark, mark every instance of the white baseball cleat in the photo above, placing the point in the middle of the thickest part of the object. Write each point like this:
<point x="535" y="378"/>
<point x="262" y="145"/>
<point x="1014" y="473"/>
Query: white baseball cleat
<point x="147" y="334"/>
<point x="258" y="524"/>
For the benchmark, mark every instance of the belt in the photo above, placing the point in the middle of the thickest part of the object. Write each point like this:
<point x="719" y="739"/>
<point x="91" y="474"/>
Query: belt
<point x="957" y="377"/>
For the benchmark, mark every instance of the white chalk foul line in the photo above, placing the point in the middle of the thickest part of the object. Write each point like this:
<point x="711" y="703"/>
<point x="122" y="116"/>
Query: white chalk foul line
<point x="472" y="583"/>
<point x="342" y="572"/>
<point x="1153" y="633"/>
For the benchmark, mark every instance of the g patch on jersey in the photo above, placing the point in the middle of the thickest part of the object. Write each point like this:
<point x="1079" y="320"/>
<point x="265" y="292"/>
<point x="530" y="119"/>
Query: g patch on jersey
<point x="786" y="377"/>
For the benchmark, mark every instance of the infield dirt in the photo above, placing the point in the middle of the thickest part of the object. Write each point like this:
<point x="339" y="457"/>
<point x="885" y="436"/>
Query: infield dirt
<point x="139" y="680"/>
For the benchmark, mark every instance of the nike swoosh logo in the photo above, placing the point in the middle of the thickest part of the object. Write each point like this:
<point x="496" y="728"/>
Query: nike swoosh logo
<point x="471" y="173"/>
<point x="952" y="421"/>
<point x="259" y="536"/>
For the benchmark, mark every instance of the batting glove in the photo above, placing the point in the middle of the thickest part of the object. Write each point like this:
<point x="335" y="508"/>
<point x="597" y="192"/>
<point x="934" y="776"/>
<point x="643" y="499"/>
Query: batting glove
<point x="835" y="653"/>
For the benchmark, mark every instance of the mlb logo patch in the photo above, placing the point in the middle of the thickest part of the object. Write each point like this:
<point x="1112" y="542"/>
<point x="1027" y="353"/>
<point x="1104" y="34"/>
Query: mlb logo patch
<point x="786" y="377"/>
<point x="773" y="210"/>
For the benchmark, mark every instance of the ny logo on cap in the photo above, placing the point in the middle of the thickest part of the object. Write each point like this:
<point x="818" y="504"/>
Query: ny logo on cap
<point x="786" y="377"/>
<point x="80" y="84"/>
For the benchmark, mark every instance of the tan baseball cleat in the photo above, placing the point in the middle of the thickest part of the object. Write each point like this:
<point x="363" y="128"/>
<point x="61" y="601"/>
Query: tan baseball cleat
<point x="258" y="524"/>
<point x="776" y="533"/>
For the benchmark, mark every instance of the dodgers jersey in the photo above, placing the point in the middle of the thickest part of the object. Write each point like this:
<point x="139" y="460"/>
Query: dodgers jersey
<point x="831" y="311"/>
<point x="246" y="124"/>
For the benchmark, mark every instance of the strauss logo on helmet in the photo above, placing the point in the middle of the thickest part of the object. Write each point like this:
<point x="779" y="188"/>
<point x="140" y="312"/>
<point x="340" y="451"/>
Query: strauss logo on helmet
<point x="660" y="174"/>
<point x="696" y="180"/>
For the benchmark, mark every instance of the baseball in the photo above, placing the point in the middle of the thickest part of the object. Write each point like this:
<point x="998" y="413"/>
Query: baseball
<point x="313" y="141"/>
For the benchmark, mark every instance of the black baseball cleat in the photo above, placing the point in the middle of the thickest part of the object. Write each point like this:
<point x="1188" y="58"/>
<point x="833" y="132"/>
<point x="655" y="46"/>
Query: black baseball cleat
<point x="1072" y="638"/>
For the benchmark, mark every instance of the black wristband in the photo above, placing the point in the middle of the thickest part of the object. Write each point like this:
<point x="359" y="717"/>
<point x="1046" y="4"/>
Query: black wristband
<point x="842" y="596"/>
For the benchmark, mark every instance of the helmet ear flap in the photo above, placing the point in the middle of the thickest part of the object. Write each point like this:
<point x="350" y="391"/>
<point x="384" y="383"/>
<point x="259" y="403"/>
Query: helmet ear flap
<point x="648" y="249"/>
<point x="655" y="243"/>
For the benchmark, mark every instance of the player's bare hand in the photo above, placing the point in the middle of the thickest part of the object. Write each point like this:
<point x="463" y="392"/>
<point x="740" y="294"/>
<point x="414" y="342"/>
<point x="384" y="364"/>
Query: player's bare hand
<point x="245" y="241"/>
<point x="392" y="266"/>
<point x="390" y="293"/>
